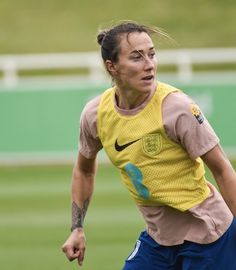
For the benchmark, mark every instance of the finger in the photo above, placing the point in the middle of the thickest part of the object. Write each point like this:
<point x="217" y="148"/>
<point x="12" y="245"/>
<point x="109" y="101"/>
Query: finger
<point x="81" y="256"/>
<point x="70" y="252"/>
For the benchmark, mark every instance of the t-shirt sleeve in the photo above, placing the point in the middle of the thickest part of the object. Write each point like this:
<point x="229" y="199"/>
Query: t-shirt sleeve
<point x="185" y="123"/>
<point x="89" y="142"/>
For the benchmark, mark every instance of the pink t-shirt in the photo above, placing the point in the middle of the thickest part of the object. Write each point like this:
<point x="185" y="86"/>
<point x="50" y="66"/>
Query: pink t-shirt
<point x="204" y="223"/>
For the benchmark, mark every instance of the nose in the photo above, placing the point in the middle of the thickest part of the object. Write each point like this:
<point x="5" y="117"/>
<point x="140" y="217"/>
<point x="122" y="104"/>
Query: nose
<point x="150" y="63"/>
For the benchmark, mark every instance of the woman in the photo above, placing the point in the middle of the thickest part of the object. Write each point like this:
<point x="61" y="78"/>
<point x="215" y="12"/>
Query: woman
<point x="158" y="138"/>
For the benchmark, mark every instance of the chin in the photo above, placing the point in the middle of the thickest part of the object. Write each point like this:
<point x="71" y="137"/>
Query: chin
<point x="148" y="88"/>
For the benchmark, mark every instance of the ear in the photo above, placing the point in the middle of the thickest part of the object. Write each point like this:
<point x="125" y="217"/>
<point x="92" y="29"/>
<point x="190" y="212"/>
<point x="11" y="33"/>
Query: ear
<point x="111" y="68"/>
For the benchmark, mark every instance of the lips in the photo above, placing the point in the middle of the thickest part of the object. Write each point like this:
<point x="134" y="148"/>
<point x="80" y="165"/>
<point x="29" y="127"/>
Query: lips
<point x="148" y="78"/>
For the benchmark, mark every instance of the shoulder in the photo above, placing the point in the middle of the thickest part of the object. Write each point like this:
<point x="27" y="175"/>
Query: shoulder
<point x="92" y="105"/>
<point x="184" y="123"/>
<point x="88" y="118"/>
<point x="177" y="100"/>
<point x="90" y="109"/>
<point x="177" y="105"/>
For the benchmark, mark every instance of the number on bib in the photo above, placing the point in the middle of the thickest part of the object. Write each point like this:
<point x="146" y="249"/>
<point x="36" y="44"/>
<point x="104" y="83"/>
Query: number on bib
<point x="136" y="177"/>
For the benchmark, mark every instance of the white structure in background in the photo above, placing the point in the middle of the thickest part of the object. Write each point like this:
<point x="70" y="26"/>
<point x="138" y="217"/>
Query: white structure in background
<point x="183" y="59"/>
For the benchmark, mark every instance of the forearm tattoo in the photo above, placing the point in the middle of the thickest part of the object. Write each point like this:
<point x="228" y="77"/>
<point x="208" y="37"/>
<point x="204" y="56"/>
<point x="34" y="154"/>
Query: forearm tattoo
<point x="78" y="214"/>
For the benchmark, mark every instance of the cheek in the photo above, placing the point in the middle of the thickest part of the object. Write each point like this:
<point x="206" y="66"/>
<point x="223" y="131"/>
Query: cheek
<point x="129" y="72"/>
<point x="130" y="77"/>
<point x="155" y="64"/>
<point x="132" y="71"/>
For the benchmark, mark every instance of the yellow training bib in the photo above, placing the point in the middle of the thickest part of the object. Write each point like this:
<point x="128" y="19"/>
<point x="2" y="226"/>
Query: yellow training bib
<point x="155" y="169"/>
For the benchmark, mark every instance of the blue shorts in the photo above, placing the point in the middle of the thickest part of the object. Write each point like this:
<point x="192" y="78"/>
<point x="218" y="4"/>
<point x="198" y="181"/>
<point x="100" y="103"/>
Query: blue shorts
<point x="219" y="255"/>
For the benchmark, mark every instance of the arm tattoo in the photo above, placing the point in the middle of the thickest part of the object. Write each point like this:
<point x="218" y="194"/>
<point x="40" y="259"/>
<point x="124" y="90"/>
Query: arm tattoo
<point x="78" y="214"/>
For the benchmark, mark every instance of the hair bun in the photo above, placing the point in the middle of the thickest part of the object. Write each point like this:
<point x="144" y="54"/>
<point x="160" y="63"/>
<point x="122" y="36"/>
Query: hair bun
<point x="101" y="36"/>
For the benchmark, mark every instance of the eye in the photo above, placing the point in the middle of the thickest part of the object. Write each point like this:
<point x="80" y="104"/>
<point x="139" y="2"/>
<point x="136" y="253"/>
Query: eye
<point x="136" y="57"/>
<point x="152" y="54"/>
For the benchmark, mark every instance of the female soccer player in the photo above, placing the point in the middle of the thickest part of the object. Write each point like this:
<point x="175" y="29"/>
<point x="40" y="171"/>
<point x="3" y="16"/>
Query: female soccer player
<point x="158" y="138"/>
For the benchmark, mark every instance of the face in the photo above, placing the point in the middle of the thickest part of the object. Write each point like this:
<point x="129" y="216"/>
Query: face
<point x="136" y="66"/>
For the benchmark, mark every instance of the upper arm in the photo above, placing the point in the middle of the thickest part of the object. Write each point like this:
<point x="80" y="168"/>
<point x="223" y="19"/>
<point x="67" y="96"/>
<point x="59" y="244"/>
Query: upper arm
<point x="89" y="143"/>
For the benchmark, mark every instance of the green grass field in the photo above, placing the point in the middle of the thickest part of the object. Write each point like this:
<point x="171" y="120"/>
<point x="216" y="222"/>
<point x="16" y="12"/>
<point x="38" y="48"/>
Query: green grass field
<point x="35" y="219"/>
<point x="30" y="26"/>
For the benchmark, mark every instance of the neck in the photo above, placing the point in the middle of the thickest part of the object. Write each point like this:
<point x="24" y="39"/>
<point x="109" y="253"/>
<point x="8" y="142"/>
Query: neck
<point x="129" y="99"/>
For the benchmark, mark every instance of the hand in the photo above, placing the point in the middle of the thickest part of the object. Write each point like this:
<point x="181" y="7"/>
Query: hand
<point x="74" y="247"/>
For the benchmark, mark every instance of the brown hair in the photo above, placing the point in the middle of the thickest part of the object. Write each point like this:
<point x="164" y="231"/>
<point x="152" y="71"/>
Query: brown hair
<point x="109" y="39"/>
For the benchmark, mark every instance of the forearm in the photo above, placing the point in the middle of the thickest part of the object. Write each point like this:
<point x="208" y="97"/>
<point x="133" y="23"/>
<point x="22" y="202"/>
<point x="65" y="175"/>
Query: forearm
<point x="224" y="175"/>
<point x="78" y="213"/>
<point x="82" y="190"/>
<point x="227" y="186"/>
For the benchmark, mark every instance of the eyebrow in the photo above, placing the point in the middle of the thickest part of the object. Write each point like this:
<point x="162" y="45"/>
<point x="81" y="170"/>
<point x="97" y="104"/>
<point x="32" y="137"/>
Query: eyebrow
<point x="141" y="51"/>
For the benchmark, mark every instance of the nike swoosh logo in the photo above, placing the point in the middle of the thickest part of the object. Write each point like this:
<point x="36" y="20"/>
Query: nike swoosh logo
<point x="123" y="146"/>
